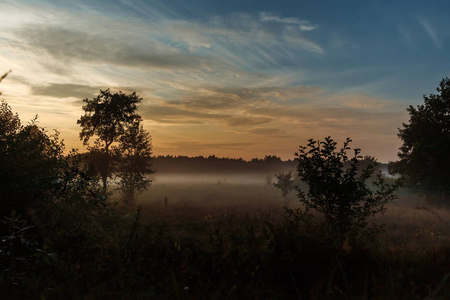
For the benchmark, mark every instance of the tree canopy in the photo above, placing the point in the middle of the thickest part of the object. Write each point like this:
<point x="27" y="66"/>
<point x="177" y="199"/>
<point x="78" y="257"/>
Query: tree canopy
<point x="424" y="156"/>
<point x="108" y="116"/>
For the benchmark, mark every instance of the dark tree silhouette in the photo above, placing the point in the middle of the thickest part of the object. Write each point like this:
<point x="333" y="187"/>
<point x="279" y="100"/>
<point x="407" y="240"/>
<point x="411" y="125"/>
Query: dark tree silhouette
<point x="424" y="156"/>
<point x="338" y="187"/>
<point x="30" y="162"/>
<point x="108" y="116"/>
<point x="133" y="161"/>
<point x="285" y="183"/>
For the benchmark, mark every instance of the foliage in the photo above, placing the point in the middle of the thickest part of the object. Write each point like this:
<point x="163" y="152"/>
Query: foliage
<point x="30" y="160"/>
<point x="77" y="183"/>
<point x="424" y="156"/>
<point x="96" y="160"/>
<point x="108" y="116"/>
<point x="339" y="189"/>
<point x="9" y="124"/>
<point x="133" y="161"/>
<point x="24" y="263"/>
<point x="285" y="183"/>
<point x="36" y="180"/>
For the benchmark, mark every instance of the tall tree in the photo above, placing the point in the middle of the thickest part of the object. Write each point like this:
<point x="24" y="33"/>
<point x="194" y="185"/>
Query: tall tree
<point x="108" y="116"/>
<point x="133" y="156"/>
<point x="424" y="156"/>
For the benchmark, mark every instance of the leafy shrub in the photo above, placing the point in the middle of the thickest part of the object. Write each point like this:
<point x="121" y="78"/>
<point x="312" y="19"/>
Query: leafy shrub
<point x="339" y="189"/>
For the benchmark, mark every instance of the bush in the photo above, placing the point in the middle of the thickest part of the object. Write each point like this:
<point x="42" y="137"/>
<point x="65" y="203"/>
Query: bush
<point x="343" y="192"/>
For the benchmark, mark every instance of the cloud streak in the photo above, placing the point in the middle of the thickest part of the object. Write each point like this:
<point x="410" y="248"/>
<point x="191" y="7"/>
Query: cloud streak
<point x="303" y="25"/>
<point x="431" y="33"/>
<point x="65" y="90"/>
<point x="74" y="46"/>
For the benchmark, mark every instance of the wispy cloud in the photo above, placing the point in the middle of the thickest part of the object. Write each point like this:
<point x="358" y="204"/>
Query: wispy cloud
<point x="431" y="33"/>
<point x="222" y="48"/>
<point x="305" y="112"/>
<point x="268" y="132"/>
<point x="246" y="121"/>
<point x="81" y="47"/>
<point x="304" y="25"/>
<point x="65" y="90"/>
<point x="173" y="115"/>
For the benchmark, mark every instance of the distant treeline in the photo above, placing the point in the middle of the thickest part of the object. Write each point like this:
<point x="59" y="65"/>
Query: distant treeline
<point x="212" y="164"/>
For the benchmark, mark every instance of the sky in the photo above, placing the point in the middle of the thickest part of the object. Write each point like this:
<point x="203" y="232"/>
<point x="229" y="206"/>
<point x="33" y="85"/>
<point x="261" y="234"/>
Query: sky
<point x="230" y="78"/>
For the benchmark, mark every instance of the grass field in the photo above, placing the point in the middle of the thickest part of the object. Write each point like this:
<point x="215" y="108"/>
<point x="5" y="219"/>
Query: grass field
<point x="409" y="260"/>
<point x="409" y="223"/>
<point x="227" y="239"/>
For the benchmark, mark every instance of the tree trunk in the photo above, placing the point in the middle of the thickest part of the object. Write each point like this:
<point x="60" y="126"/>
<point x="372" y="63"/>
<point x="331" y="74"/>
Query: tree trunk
<point x="106" y="171"/>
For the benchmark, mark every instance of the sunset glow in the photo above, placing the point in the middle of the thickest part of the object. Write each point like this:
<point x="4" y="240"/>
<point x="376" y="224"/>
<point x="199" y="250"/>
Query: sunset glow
<point x="229" y="78"/>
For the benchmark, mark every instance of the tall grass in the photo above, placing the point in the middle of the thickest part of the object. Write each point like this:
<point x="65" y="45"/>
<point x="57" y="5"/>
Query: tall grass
<point x="224" y="241"/>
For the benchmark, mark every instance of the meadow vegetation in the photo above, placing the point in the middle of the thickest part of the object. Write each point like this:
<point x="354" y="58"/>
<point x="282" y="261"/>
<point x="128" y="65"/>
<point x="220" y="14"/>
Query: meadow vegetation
<point x="67" y="234"/>
<point x="220" y="241"/>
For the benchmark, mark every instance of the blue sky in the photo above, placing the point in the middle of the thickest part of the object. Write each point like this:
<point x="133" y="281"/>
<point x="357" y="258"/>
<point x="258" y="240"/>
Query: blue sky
<point x="230" y="78"/>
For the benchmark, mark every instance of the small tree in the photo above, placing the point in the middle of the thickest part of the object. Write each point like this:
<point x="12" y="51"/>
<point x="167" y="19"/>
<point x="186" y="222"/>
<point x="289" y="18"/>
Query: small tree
<point x="424" y="156"/>
<point x="339" y="189"/>
<point x="108" y="116"/>
<point x="133" y="161"/>
<point x="285" y="183"/>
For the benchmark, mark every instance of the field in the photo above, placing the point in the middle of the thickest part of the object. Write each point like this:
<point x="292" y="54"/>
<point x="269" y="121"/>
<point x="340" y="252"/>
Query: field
<point x="228" y="237"/>
<point x="410" y="259"/>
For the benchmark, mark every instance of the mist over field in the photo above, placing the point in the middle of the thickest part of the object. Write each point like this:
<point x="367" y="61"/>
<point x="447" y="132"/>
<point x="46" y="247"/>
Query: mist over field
<point x="227" y="190"/>
<point x="224" y="150"/>
<point x="214" y="178"/>
<point x="252" y="179"/>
